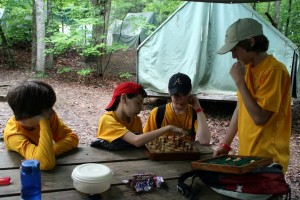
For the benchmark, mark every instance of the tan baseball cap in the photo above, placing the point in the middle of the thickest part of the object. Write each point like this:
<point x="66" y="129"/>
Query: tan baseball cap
<point x="240" y="30"/>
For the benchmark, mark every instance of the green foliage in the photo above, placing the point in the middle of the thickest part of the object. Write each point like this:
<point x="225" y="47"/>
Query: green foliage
<point x="17" y="21"/>
<point x="92" y="50"/>
<point x="85" y="72"/>
<point x="120" y="8"/>
<point x="292" y="18"/>
<point x="141" y="23"/>
<point x="116" y="47"/>
<point x="162" y="8"/>
<point x="80" y="19"/>
<point x="70" y="19"/>
<point x="62" y="42"/>
<point x="41" y="75"/>
<point x="125" y="75"/>
<point x="64" y="70"/>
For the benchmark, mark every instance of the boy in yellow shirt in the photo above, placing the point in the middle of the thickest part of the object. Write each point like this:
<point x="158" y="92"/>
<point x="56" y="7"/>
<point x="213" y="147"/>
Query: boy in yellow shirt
<point x="183" y="111"/>
<point x="262" y="118"/>
<point x="35" y="131"/>
<point x="120" y="127"/>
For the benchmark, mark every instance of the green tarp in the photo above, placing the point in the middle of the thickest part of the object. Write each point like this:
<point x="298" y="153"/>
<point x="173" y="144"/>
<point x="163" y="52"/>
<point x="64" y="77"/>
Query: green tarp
<point x="131" y="31"/>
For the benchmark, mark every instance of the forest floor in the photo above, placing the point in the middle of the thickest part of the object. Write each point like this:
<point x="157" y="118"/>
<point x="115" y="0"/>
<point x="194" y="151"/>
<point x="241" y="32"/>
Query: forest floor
<point x="81" y="101"/>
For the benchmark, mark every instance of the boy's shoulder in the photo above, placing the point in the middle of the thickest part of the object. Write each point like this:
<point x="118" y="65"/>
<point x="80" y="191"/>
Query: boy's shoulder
<point x="12" y="127"/>
<point x="108" y="115"/>
<point x="11" y="122"/>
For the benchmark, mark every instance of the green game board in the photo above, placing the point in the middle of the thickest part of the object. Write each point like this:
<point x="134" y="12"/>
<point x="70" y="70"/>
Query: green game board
<point x="232" y="163"/>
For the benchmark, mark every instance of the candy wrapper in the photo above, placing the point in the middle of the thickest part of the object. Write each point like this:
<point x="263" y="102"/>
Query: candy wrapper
<point x="5" y="181"/>
<point x="144" y="182"/>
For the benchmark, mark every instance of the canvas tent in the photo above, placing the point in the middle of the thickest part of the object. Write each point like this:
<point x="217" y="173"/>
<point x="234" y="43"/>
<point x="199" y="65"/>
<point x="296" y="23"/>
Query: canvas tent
<point x="132" y="30"/>
<point x="187" y="42"/>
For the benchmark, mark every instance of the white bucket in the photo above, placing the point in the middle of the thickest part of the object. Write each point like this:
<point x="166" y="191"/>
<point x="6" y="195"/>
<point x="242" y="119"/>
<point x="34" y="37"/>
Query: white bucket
<point x="92" y="178"/>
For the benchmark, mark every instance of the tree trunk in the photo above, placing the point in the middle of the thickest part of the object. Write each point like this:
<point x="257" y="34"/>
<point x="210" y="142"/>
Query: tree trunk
<point x="40" y="33"/>
<point x="33" y="45"/>
<point x="49" y="34"/>
<point x="268" y="7"/>
<point x="103" y="7"/>
<point x="106" y="17"/>
<point x="7" y="56"/>
<point x="288" y="18"/>
<point x="276" y="14"/>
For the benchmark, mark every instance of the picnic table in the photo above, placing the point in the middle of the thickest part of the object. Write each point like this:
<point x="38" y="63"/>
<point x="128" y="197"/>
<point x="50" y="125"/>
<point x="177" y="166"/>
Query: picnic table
<point x="58" y="184"/>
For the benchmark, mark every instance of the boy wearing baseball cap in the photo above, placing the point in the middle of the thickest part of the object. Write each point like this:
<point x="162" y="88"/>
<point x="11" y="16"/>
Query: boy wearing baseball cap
<point x="120" y="127"/>
<point x="262" y="117"/>
<point x="183" y="111"/>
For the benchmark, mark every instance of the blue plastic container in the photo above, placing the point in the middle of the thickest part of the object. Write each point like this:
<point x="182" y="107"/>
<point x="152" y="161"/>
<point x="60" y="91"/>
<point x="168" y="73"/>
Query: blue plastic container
<point x="30" y="180"/>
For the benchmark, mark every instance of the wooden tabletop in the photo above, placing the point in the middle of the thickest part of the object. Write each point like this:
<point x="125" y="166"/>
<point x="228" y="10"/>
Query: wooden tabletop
<point x="58" y="184"/>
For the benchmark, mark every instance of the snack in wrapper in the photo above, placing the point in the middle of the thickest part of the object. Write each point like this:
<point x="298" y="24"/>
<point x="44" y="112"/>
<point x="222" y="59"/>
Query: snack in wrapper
<point x="144" y="182"/>
<point x="158" y="180"/>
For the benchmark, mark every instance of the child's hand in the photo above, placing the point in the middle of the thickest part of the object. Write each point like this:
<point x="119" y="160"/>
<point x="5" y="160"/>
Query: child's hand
<point x="47" y="114"/>
<point x="237" y="72"/>
<point x="193" y="100"/>
<point x="39" y="117"/>
<point x="220" y="151"/>
<point x="178" y="131"/>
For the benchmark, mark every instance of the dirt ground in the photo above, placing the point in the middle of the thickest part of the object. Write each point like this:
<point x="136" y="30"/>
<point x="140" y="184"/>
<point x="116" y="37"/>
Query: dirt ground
<point x="81" y="102"/>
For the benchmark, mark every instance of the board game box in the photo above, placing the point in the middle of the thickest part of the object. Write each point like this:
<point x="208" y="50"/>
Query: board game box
<point x="232" y="163"/>
<point x="172" y="147"/>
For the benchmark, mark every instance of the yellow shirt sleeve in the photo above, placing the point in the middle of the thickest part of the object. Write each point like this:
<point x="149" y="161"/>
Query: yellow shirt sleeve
<point x="150" y="124"/>
<point x="65" y="139"/>
<point x="111" y="128"/>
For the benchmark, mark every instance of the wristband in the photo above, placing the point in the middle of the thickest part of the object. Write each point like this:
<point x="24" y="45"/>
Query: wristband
<point x="198" y="110"/>
<point x="225" y="146"/>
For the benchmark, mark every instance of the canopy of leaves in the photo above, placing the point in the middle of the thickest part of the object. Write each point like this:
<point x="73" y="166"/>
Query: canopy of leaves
<point x="17" y="21"/>
<point x="289" y="23"/>
<point x="73" y="21"/>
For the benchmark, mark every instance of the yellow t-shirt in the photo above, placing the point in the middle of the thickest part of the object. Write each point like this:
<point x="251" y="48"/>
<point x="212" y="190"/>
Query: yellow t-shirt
<point x="269" y="84"/>
<point x="183" y="120"/>
<point x="51" y="139"/>
<point x="111" y="128"/>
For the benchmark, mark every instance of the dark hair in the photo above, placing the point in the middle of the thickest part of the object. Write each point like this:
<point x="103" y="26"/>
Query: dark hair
<point x="30" y="99"/>
<point x="261" y="44"/>
<point x="129" y="96"/>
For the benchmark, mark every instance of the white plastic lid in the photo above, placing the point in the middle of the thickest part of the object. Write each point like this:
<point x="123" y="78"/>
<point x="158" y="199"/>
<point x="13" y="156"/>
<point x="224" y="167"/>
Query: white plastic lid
<point x="92" y="173"/>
